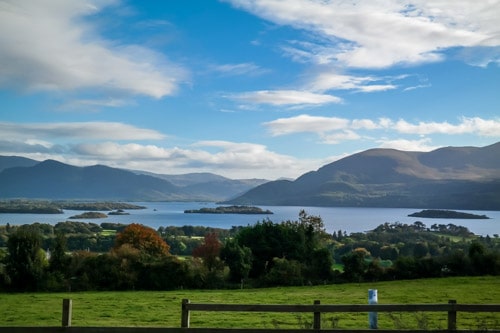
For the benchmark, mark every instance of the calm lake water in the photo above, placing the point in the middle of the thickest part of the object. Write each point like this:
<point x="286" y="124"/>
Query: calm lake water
<point x="159" y="214"/>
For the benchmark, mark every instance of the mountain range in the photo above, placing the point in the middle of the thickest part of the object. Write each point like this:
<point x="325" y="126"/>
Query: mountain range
<point x="446" y="178"/>
<point x="49" y="179"/>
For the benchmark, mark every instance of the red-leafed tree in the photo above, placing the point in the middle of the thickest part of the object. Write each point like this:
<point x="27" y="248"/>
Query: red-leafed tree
<point x="144" y="239"/>
<point x="209" y="251"/>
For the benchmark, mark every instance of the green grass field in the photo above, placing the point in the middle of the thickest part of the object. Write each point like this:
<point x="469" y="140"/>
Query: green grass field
<point x="163" y="308"/>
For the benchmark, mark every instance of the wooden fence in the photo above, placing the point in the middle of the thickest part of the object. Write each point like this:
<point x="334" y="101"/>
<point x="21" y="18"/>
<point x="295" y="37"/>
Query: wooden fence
<point x="316" y="309"/>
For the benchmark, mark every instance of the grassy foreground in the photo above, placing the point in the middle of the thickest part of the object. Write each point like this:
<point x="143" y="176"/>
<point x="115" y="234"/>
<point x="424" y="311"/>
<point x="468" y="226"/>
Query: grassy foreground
<point x="164" y="308"/>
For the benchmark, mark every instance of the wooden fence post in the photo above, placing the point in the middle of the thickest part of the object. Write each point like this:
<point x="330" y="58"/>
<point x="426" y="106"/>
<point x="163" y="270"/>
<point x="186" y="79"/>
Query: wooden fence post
<point x="66" y="312"/>
<point x="317" y="317"/>
<point x="373" y="316"/>
<point x="185" y="313"/>
<point x="452" y="315"/>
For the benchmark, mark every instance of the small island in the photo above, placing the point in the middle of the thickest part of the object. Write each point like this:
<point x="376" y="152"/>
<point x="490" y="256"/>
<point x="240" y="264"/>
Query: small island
<point x="98" y="206"/>
<point x="118" y="212"/>
<point x="89" y="215"/>
<point x="230" y="210"/>
<point x="22" y="206"/>
<point x="446" y="214"/>
<point x="30" y="210"/>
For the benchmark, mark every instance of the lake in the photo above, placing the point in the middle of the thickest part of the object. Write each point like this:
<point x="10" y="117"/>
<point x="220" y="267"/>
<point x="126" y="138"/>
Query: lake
<point x="347" y="219"/>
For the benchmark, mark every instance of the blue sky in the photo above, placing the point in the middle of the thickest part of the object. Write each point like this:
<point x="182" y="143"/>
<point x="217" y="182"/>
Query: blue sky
<point x="244" y="88"/>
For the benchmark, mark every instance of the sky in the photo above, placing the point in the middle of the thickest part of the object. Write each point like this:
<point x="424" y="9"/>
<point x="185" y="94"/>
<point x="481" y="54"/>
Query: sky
<point x="244" y="88"/>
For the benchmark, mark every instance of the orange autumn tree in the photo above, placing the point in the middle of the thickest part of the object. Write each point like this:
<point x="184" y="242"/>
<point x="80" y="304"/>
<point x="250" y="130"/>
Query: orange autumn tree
<point x="144" y="239"/>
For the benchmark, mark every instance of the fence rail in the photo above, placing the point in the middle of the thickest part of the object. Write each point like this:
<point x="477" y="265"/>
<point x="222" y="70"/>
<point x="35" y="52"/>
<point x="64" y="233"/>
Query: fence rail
<point x="451" y="308"/>
<point x="316" y="309"/>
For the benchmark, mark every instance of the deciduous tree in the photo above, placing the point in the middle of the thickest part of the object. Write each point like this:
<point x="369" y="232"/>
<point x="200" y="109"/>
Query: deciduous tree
<point x="355" y="265"/>
<point x="144" y="239"/>
<point x="209" y="251"/>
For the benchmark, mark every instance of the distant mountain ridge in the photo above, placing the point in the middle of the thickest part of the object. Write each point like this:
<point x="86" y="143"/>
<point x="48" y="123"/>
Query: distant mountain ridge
<point x="7" y="162"/>
<point x="446" y="178"/>
<point x="25" y="178"/>
<point x="451" y="177"/>
<point x="208" y="185"/>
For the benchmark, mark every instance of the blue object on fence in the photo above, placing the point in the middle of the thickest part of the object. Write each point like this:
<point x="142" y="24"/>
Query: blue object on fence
<point x="372" y="316"/>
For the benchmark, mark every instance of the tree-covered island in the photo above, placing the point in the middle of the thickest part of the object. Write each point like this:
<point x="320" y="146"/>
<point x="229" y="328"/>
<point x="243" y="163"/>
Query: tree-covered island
<point x="230" y="210"/>
<point x="446" y="214"/>
<point x="36" y="209"/>
<point x="89" y="215"/>
<point x="118" y="212"/>
<point x="23" y="206"/>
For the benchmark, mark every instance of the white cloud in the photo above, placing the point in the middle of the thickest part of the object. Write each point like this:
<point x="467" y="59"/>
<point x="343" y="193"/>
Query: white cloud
<point x="313" y="92"/>
<point x="247" y="68"/>
<point x="365" y="124"/>
<point x="115" y="151"/>
<point x="408" y="145"/>
<point x="475" y="125"/>
<point x="347" y="35"/>
<point x="243" y="155"/>
<point x="29" y="148"/>
<point x="91" y="103"/>
<point x="377" y="87"/>
<point x="76" y="130"/>
<point x="309" y="52"/>
<point x="333" y="130"/>
<point x="235" y="160"/>
<point x="330" y="80"/>
<point x="86" y="144"/>
<point x="480" y="56"/>
<point x="382" y="33"/>
<point x="306" y="123"/>
<point x="91" y="143"/>
<point x="338" y="137"/>
<point x="286" y="98"/>
<point x="48" y="45"/>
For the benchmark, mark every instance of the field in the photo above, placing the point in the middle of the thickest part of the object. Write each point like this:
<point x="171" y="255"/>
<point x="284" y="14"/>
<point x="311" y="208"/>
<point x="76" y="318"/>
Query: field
<point x="164" y="308"/>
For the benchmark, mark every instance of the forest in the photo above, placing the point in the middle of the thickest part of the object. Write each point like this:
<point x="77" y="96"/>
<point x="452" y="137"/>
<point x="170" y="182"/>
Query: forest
<point x="83" y="256"/>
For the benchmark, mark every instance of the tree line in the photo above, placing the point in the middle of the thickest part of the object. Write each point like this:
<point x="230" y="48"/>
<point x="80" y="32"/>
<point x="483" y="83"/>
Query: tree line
<point x="37" y="257"/>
